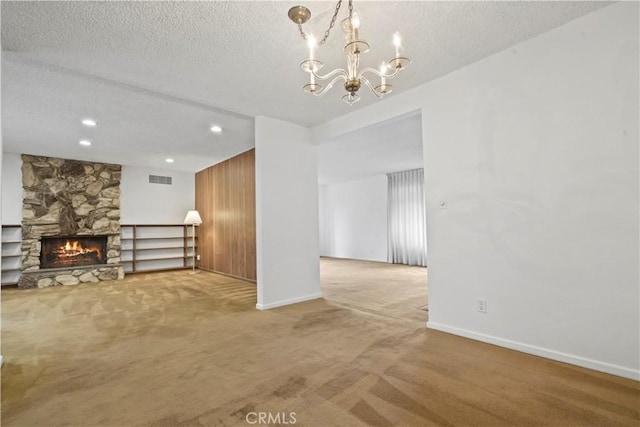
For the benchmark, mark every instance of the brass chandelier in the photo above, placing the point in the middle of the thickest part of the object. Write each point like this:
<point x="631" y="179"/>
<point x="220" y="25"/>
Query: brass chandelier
<point x="353" y="48"/>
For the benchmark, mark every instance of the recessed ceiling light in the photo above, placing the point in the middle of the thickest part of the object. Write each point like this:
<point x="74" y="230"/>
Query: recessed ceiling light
<point x="169" y="160"/>
<point x="89" y="122"/>
<point x="85" y="142"/>
<point x="216" y="129"/>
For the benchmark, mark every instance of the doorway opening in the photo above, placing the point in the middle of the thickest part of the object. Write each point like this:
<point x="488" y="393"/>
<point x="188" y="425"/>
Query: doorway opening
<point x="372" y="219"/>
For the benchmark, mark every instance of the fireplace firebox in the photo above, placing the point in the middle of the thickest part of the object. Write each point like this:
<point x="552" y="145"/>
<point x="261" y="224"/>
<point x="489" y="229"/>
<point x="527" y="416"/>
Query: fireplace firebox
<point x="73" y="251"/>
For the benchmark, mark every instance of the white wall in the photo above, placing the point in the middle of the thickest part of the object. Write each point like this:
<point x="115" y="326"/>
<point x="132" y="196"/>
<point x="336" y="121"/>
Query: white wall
<point x="11" y="189"/>
<point x="535" y="151"/>
<point x="145" y="203"/>
<point x="287" y="241"/>
<point x="353" y="219"/>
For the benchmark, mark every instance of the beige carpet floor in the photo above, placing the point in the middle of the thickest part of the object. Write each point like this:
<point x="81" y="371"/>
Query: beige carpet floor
<point x="174" y="349"/>
<point x="393" y="291"/>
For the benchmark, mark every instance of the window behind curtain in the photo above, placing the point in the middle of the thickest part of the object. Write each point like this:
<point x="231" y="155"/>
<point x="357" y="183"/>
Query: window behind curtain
<point x="406" y="217"/>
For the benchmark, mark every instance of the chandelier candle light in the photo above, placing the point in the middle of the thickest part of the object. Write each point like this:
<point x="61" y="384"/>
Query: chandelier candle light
<point x="353" y="48"/>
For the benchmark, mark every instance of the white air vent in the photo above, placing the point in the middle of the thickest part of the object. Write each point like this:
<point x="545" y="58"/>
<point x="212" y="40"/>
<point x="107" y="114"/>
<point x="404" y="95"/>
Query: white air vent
<point x="157" y="179"/>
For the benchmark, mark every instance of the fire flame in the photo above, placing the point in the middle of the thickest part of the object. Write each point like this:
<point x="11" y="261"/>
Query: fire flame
<point x="70" y="249"/>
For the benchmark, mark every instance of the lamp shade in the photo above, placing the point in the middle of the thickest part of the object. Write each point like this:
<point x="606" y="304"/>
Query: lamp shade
<point x="193" y="218"/>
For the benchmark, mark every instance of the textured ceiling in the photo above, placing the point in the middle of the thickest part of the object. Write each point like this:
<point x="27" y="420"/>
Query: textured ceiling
<point x="164" y="70"/>
<point x="135" y="127"/>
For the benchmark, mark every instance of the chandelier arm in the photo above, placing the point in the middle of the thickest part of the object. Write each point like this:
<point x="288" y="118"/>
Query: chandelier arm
<point x="378" y="73"/>
<point x="364" y="79"/>
<point x="340" y="71"/>
<point x="329" y="86"/>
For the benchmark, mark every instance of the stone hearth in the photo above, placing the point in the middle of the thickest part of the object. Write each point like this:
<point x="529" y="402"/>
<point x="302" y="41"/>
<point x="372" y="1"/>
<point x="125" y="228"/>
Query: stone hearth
<point x="64" y="198"/>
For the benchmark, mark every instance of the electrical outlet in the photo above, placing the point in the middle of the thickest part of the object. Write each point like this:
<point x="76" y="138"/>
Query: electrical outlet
<point x="482" y="305"/>
<point x="198" y="257"/>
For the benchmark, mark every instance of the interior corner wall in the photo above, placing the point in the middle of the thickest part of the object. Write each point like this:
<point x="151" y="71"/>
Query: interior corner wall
<point x="146" y="203"/>
<point x="225" y="198"/>
<point x="287" y="236"/>
<point x="535" y="152"/>
<point x="353" y="219"/>
<point x="11" y="189"/>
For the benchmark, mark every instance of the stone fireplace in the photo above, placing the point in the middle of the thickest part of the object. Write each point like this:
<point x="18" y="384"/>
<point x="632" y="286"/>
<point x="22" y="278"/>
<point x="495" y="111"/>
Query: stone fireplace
<point x="70" y="222"/>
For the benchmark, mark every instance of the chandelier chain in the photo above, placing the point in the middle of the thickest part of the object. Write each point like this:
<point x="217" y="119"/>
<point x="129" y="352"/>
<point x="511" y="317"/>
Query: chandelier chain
<point x="333" y="22"/>
<point x="304" y="36"/>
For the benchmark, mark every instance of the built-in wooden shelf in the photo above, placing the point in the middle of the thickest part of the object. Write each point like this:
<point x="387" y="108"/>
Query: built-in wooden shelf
<point x="11" y="243"/>
<point x="153" y="238"/>
<point x="158" y="258"/>
<point x="155" y="250"/>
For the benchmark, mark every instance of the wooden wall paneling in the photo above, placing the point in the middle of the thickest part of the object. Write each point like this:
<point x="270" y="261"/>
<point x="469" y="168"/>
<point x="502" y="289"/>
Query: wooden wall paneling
<point x="225" y="197"/>
<point x="242" y="261"/>
<point x="221" y="207"/>
<point x="230" y="238"/>
<point x="211" y="242"/>
<point x="237" y="210"/>
<point x="199" y="208"/>
<point x="204" y="232"/>
<point x="209" y="231"/>
<point x="250" y="215"/>
<point x="208" y="227"/>
<point x="217" y="219"/>
<point x="215" y="232"/>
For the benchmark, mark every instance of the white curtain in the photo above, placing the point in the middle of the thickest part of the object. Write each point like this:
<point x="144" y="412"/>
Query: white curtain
<point x="407" y="220"/>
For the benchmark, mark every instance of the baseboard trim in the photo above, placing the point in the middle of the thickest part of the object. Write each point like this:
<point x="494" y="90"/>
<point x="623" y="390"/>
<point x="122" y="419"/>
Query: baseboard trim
<point x="288" y="301"/>
<point x="228" y="275"/>
<point x="355" y="259"/>
<point x="571" y="359"/>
